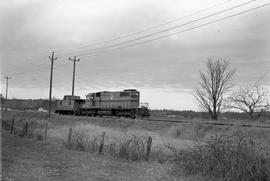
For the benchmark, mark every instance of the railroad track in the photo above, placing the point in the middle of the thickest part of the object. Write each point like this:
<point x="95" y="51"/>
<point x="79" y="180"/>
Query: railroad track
<point x="189" y="122"/>
<point x="209" y="123"/>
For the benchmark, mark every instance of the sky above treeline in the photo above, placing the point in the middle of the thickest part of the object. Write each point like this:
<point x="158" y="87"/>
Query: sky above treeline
<point x="157" y="47"/>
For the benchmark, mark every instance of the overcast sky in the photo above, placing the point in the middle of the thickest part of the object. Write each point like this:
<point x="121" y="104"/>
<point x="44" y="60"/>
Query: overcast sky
<point x="166" y="71"/>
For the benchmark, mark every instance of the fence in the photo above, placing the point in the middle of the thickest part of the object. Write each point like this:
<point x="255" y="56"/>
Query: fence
<point x="24" y="132"/>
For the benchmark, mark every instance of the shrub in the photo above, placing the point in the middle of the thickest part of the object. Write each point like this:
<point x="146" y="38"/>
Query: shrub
<point x="39" y="137"/>
<point x="228" y="158"/>
<point x="190" y="131"/>
<point x="161" y="153"/>
<point x="132" y="148"/>
<point x="82" y="142"/>
<point x="6" y="125"/>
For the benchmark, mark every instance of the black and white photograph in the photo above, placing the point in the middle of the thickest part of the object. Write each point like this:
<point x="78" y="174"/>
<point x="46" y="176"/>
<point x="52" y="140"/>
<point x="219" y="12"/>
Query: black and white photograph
<point x="135" y="90"/>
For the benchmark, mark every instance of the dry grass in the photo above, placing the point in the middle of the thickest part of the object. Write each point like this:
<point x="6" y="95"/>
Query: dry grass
<point x="229" y="158"/>
<point x="191" y="131"/>
<point x="235" y="155"/>
<point x="82" y="143"/>
<point x="132" y="148"/>
<point x="127" y="144"/>
<point x="33" y="129"/>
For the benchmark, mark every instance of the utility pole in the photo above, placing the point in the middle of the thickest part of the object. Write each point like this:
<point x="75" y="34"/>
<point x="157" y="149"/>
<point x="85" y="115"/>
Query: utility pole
<point x="52" y="58"/>
<point x="6" y="77"/>
<point x="74" y="63"/>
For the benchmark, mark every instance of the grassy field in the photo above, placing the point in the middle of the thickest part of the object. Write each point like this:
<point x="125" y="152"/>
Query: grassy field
<point x="126" y="141"/>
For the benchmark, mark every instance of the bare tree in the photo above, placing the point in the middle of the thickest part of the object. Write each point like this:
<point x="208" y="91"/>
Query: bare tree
<point x="215" y="82"/>
<point x="250" y="99"/>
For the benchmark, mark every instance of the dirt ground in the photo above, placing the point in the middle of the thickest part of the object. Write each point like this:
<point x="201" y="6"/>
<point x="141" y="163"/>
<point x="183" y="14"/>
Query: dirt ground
<point x="25" y="159"/>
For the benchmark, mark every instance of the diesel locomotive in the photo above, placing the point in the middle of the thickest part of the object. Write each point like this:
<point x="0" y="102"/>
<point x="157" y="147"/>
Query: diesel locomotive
<point x="119" y="103"/>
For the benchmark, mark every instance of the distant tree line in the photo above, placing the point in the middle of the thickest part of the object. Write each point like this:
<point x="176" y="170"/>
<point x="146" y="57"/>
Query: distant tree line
<point x="31" y="104"/>
<point x="228" y="115"/>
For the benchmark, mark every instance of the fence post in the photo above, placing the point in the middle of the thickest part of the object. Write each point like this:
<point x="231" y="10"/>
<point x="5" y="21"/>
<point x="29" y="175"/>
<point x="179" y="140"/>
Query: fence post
<point x="148" y="149"/>
<point x="69" y="137"/>
<point x="12" y="127"/>
<point x="26" y="128"/>
<point x="45" y="132"/>
<point x="102" y="142"/>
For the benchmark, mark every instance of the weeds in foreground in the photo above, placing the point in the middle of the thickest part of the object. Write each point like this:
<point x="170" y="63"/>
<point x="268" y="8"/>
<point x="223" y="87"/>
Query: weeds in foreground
<point x="22" y="129"/>
<point x="190" y="131"/>
<point x="82" y="142"/>
<point x="228" y="158"/>
<point x="132" y="148"/>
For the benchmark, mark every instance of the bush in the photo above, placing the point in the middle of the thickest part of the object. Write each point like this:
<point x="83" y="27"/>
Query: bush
<point x="82" y="142"/>
<point x="132" y="148"/>
<point x="228" y="158"/>
<point x="6" y="125"/>
<point x="190" y="131"/>
<point x="39" y="137"/>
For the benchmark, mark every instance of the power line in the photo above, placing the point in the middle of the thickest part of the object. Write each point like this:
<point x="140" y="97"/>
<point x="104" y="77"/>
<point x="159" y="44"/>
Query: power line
<point x="149" y="28"/>
<point x="185" y="30"/>
<point x="189" y="29"/>
<point x="27" y="72"/>
<point x="171" y="28"/>
<point x="261" y="77"/>
<point x="36" y="70"/>
<point x="126" y="42"/>
<point x="31" y="71"/>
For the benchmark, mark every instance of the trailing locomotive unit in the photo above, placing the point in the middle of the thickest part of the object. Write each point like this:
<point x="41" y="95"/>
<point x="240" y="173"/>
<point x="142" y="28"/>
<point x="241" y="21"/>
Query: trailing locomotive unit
<point x="122" y="103"/>
<point x="69" y="105"/>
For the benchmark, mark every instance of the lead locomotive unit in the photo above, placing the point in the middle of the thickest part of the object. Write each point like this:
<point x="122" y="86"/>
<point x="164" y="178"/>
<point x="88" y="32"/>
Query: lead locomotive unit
<point x="120" y="103"/>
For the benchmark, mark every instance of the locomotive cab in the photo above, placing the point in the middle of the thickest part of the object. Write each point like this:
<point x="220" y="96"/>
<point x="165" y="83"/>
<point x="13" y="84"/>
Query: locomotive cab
<point x="69" y="105"/>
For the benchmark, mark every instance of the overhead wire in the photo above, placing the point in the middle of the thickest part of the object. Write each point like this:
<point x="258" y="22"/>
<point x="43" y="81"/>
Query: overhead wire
<point x="185" y="30"/>
<point x="261" y="77"/>
<point x="111" y="46"/>
<point x="130" y="34"/>
<point x="44" y="65"/>
<point x="149" y="28"/>
<point x="169" y="29"/>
